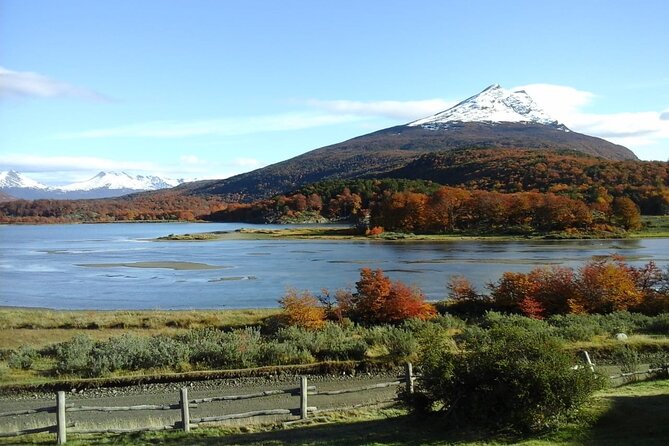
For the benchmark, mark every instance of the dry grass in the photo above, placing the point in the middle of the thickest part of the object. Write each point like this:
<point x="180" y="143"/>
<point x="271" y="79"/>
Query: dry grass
<point x="28" y="318"/>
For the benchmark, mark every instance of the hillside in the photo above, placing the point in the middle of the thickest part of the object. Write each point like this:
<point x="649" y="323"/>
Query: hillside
<point x="493" y="119"/>
<point x="565" y="172"/>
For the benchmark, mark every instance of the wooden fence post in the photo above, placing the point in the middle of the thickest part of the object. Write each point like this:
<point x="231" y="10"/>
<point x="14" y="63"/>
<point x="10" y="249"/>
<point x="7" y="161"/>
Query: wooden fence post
<point x="60" y="418"/>
<point x="185" y="410"/>
<point x="303" y="397"/>
<point x="408" y="369"/>
<point x="588" y="361"/>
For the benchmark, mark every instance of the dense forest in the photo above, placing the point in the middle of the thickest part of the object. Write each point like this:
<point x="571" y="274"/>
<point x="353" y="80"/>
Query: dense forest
<point x="573" y="174"/>
<point x="443" y="210"/>
<point x="138" y="207"/>
<point x="524" y="190"/>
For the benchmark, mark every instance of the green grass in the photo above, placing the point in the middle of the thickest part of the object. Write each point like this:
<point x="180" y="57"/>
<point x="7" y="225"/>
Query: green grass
<point x="636" y="414"/>
<point x="653" y="226"/>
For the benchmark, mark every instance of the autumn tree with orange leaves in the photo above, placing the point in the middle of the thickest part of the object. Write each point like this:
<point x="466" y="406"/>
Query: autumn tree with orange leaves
<point x="380" y="300"/>
<point x="302" y="309"/>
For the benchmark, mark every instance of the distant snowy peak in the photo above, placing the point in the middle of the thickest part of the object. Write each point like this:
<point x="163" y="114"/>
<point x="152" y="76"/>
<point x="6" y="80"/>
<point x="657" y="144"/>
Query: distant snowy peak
<point x="12" y="179"/>
<point x="492" y="105"/>
<point x="121" y="180"/>
<point x="102" y="185"/>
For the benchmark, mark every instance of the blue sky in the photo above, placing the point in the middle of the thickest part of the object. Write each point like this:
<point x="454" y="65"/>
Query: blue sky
<point x="208" y="89"/>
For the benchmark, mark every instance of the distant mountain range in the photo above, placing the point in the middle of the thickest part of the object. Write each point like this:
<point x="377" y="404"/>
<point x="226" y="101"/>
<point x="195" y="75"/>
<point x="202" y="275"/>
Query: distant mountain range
<point x="494" y="118"/>
<point x="102" y="185"/>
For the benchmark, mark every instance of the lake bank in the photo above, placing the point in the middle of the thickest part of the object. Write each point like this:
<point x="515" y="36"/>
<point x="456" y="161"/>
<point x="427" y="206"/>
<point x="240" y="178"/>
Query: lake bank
<point x="654" y="227"/>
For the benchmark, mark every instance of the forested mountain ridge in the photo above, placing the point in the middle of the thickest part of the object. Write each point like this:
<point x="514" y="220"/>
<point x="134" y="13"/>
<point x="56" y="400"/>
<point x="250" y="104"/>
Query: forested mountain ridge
<point x="567" y="173"/>
<point x="495" y="118"/>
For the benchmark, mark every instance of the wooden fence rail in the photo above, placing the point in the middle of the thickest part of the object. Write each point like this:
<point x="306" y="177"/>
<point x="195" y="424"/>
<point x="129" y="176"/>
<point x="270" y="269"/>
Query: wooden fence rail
<point x="184" y="405"/>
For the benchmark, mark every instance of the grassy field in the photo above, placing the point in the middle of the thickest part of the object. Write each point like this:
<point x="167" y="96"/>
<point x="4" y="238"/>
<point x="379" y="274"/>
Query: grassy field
<point x="29" y="318"/>
<point x="654" y="226"/>
<point x="635" y="414"/>
<point x="41" y="329"/>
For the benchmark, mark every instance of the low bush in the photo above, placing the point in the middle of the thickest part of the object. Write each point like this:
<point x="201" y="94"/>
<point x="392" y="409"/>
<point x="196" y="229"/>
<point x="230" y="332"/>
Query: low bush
<point x="658" y="325"/>
<point x="72" y="357"/>
<point x="23" y="358"/>
<point x="331" y="343"/>
<point x="509" y="377"/>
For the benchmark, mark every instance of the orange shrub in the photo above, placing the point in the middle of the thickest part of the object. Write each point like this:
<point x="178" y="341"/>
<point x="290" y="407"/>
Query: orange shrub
<point x="302" y="309"/>
<point x="376" y="230"/>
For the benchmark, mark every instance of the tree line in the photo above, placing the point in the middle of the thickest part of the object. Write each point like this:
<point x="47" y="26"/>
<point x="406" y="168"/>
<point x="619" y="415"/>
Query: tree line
<point x="443" y="210"/>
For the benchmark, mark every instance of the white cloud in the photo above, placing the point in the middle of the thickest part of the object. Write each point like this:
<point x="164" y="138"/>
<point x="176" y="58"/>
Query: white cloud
<point x="59" y="170"/>
<point x="192" y="160"/>
<point x="217" y="127"/>
<point x="405" y="110"/>
<point x="25" y="84"/>
<point x="33" y="163"/>
<point x="632" y="130"/>
<point x="559" y="101"/>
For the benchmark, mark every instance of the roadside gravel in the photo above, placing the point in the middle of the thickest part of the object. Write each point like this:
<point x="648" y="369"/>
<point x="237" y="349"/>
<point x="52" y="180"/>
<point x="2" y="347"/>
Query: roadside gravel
<point x="168" y="393"/>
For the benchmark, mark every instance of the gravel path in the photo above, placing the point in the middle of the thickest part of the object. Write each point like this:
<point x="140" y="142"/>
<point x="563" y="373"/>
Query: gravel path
<point x="164" y="394"/>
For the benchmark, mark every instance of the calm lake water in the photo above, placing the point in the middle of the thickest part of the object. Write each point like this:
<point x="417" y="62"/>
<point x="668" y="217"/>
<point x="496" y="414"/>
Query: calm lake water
<point x="40" y="266"/>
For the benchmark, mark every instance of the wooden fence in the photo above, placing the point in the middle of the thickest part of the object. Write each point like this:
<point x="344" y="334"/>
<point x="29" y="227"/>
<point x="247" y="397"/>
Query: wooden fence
<point x="62" y="426"/>
<point x="186" y="423"/>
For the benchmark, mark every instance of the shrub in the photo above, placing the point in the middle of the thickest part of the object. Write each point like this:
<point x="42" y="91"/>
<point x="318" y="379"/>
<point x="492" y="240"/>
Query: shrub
<point x="278" y="353"/>
<point x="332" y="342"/>
<point x="400" y="343"/>
<point x="576" y="327"/>
<point x="23" y="358"/>
<point x="73" y="355"/>
<point x="626" y="358"/>
<point x="302" y="309"/>
<point x="510" y="378"/>
<point x="658" y="324"/>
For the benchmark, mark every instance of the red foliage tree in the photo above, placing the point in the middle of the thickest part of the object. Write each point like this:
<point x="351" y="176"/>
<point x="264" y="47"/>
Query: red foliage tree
<point x="380" y="300"/>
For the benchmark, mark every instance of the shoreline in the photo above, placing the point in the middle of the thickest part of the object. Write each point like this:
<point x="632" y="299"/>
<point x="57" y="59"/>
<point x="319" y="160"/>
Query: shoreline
<point x="346" y="234"/>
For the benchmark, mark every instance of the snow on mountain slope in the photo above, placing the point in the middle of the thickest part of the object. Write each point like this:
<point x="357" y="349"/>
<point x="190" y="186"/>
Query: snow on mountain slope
<point x="102" y="185"/>
<point x="492" y="105"/>
<point x="121" y="180"/>
<point x="11" y="179"/>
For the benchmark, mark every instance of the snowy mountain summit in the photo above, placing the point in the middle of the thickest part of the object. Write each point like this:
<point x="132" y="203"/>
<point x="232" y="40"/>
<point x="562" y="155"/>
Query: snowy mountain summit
<point x="102" y="185"/>
<point x="492" y="105"/>
<point x="123" y="181"/>
<point x="14" y="179"/>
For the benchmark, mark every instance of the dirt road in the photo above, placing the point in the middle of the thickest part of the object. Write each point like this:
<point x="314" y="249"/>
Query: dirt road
<point x="167" y="394"/>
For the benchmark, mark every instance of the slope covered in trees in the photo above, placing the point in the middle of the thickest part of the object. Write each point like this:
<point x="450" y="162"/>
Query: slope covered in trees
<point x="379" y="152"/>
<point x="590" y="179"/>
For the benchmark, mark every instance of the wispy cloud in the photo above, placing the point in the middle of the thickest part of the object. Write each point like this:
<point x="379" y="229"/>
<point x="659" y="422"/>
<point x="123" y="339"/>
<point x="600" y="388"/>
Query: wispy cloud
<point x="566" y="104"/>
<point x="33" y="163"/>
<point x="217" y="127"/>
<point x="58" y="170"/>
<point x="25" y="84"/>
<point x="405" y="110"/>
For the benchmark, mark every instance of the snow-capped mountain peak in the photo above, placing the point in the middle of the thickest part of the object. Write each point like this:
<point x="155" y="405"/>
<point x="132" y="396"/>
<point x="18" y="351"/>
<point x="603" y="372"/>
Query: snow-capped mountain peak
<point x="121" y="180"/>
<point x="492" y="105"/>
<point x="12" y="178"/>
<point x="104" y="184"/>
